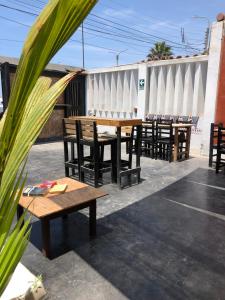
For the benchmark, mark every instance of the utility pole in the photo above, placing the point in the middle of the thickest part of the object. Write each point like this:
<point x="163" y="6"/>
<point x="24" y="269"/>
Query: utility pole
<point x="207" y="33"/>
<point x="182" y="35"/>
<point x="82" y="29"/>
<point x="118" y="56"/>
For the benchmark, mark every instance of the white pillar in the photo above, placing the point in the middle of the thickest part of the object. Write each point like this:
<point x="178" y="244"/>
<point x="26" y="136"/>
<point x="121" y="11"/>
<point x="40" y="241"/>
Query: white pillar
<point x="199" y="89"/>
<point x="89" y="93"/>
<point x="133" y="90"/>
<point x="113" y="91"/>
<point x="119" y="92"/>
<point x="107" y="92"/>
<point x="96" y="91"/>
<point x="212" y="83"/>
<point x="153" y="90"/>
<point x="179" y="90"/>
<point x="161" y="92"/>
<point x="126" y="92"/>
<point x="101" y="95"/>
<point x="188" y="89"/>
<point x="142" y="75"/>
<point x="170" y="87"/>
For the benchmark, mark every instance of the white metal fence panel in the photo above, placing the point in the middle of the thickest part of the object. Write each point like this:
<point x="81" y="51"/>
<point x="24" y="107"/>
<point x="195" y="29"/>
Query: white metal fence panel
<point x="112" y="93"/>
<point x="177" y="88"/>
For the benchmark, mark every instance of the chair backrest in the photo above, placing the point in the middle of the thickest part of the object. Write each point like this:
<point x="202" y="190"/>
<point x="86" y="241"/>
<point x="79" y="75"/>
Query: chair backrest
<point x="126" y="129"/>
<point x="148" y="129"/>
<point x="164" y="129"/>
<point x="221" y="137"/>
<point x="69" y="127"/>
<point x="195" y="120"/>
<point x="214" y="132"/>
<point x="174" y="119"/>
<point x="149" y="117"/>
<point x="183" y="119"/>
<point x="88" y="130"/>
<point x="166" y="117"/>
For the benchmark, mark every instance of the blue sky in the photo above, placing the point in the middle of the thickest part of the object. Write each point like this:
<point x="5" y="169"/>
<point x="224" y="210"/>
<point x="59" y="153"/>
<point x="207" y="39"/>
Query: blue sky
<point x="147" y="21"/>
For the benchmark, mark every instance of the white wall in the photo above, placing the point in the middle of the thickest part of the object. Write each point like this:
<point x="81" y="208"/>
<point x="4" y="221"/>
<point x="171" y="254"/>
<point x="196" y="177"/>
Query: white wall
<point x="177" y="87"/>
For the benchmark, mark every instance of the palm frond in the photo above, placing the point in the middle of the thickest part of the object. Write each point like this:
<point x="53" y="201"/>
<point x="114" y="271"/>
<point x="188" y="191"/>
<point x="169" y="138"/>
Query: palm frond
<point x="30" y="105"/>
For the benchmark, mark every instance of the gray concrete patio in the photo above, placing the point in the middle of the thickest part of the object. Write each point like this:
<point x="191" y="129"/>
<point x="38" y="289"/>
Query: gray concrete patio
<point x="161" y="239"/>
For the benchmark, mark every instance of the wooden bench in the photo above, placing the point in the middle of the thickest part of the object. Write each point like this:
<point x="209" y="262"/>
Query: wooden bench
<point x="76" y="197"/>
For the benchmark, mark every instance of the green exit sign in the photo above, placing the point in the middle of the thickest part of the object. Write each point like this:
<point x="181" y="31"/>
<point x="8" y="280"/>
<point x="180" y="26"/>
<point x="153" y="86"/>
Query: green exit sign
<point x="141" y="84"/>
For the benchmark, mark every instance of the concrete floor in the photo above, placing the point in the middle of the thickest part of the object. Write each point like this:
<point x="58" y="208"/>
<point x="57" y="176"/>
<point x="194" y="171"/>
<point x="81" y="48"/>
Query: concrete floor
<point x="161" y="239"/>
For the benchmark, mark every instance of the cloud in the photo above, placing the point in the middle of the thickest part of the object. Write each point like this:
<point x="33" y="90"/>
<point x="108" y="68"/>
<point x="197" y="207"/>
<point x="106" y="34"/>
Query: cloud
<point x="120" y="13"/>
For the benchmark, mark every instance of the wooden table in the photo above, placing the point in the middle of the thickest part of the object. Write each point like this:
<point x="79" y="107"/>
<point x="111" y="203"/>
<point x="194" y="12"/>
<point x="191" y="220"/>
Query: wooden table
<point x="119" y="123"/>
<point x="76" y="197"/>
<point x="177" y="127"/>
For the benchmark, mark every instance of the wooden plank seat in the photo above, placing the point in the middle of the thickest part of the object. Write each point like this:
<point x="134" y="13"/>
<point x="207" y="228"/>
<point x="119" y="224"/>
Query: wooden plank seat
<point x="88" y="136"/>
<point x="220" y="161"/>
<point x="72" y="159"/>
<point x="70" y="139"/>
<point x="213" y="143"/>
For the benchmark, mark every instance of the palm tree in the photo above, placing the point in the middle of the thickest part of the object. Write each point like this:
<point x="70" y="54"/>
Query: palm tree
<point x="159" y="51"/>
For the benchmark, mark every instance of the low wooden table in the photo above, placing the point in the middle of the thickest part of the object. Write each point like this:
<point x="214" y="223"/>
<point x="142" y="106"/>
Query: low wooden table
<point x="76" y="197"/>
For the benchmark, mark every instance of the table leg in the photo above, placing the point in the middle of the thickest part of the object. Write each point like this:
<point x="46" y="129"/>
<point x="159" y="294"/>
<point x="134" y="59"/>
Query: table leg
<point x="72" y="156"/>
<point x="188" y="139"/>
<point x="66" y="158"/>
<point x="138" y="154"/>
<point x="92" y="218"/>
<point x="118" y="130"/>
<point x="45" y="228"/>
<point x="20" y="212"/>
<point x="114" y="162"/>
<point x="176" y="145"/>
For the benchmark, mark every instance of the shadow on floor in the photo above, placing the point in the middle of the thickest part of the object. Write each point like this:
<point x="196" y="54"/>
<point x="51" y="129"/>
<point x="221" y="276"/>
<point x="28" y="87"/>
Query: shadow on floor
<point x="155" y="248"/>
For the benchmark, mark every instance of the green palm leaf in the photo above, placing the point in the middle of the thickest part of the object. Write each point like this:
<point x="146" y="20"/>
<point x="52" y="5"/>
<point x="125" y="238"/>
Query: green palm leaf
<point x="31" y="103"/>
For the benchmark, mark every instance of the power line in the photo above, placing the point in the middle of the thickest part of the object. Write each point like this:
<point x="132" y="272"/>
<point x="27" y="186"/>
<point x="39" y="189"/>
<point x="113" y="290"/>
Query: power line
<point x="73" y="41"/>
<point x="10" y="20"/>
<point x="115" y="27"/>
<point x="19" y="10"/>
<point x="136" y="30"/>
<point x="20" y="23"/>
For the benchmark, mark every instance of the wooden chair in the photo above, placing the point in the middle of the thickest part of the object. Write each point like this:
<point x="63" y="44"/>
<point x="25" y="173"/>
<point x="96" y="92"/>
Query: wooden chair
<point x="164" y="140"/>
<point x="220" y="162"/>
<point x="70" y="137"/>
<point x="183" y="140"/>
<point x="213" y="143"/>
<point x="149" y="117"/>
<point x="195" y="120"/>
<point x="148" y="139"/>
<point x="88" y="136"/>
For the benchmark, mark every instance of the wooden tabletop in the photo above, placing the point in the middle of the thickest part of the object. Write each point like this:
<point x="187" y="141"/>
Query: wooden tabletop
<point x="75" y="194"/>
<point x="110" y="121"/>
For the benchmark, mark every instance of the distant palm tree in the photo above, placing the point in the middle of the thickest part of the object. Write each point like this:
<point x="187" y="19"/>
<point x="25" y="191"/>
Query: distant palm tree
<point x="160" y="50"/>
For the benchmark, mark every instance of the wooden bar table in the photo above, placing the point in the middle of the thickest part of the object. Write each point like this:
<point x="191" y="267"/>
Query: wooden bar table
<point x="119" y="123"/>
